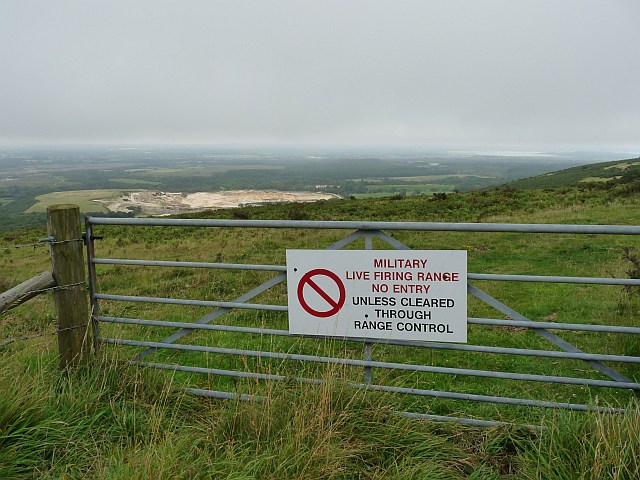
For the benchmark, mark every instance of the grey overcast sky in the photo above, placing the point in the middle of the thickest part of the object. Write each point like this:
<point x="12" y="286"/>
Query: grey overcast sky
<point x="493" y="73"/>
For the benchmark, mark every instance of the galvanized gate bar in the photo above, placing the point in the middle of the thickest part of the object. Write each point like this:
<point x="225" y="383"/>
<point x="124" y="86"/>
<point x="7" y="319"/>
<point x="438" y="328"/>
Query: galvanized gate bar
<point x="501" y="307"/>
<point x="197" y="326"/>
<point x="267" y="377"/>
<point x="196" y="303"/>
<point x="578" y="327"/>
<point x="272" y="377"/>
<point x="357" y="225"/>
<point x="281" y="268"/>
<point x="404" y="343"/>
<point x="163" y="263"/>
<point x="313" y="358"/>
<point x="468" y="372"/>
<point x="554" y="279"/>
<point x="472" y="422"/>
<point x="362" y="363"/>
<point x="243" y="397"/>
<point x="417" y="416"/>
<point x="491" y="399"/>
<point x="526" y="352"/>
<point x="224" y="395"/>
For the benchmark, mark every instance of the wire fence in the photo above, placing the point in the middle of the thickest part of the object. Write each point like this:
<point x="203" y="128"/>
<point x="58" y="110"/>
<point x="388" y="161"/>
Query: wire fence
<point x="9" y="341"/>
<point x="31" y="293"/>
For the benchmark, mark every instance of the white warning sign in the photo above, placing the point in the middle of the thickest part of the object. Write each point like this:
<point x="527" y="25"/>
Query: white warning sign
<point x="379" y="294"/>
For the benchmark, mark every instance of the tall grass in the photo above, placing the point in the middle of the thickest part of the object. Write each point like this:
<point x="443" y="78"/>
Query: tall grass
<point x="109" y="420"/>
<point x="597" y="445"/>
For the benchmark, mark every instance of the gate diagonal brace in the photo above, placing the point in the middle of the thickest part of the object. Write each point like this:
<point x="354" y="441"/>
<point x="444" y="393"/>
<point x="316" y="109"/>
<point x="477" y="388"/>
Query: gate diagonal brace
<point x="216" y="313"/>
<point x="563" y="344"/>
<point x="501" y="307"/>
<point x="389" y="240"/>
<point x="245" y="298"/>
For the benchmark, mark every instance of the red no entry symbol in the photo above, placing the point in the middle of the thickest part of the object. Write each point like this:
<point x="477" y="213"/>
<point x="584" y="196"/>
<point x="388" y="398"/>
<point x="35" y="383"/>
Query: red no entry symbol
<point x="327" y="278"/>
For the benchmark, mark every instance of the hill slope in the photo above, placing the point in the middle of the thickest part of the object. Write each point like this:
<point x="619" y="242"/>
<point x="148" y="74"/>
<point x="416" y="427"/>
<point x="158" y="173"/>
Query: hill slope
<point x="111" y="421"/>
<point x="618" y="172"/>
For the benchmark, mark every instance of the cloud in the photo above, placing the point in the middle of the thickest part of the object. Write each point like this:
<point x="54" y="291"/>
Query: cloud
<point x="418" y="72"/>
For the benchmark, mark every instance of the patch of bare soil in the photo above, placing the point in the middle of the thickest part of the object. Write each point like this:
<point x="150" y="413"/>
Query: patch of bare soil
<point x="157" y="203"/>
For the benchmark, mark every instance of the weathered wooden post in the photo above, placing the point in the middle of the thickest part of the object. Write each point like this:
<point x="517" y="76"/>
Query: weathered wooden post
<point x="63" y="225"/>
<point x="26" y="290"/>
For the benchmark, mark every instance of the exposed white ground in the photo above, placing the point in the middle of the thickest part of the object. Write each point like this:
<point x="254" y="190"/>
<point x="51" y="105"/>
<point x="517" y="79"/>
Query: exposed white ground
<point x="166" y="203"/>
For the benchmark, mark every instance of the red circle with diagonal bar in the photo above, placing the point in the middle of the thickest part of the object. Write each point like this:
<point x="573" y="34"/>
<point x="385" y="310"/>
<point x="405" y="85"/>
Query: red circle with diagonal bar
<point x="334" y="304"/>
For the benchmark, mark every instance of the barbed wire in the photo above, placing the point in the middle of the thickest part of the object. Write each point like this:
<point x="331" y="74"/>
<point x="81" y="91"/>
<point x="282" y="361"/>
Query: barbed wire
<point x="29" y="245"/>
<point x="52" y="241"/>
<point x="33" y="293"/>
<point x="42" y="243"/>
<point x="9" y="341"/>
<point x="68" y="286"/>
<point x="48" y="240"/>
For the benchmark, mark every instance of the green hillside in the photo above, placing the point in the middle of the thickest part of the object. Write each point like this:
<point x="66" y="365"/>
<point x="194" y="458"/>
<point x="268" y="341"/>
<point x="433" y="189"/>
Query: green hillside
<point x="111" y="420"/>
<point x="606" y="174"/>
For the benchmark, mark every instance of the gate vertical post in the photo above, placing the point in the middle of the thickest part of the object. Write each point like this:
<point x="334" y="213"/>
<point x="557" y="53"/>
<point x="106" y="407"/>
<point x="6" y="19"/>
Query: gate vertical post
<point x="93" y="302"/>
<point x="63" y="226"/>
<point x="368" y="346"/>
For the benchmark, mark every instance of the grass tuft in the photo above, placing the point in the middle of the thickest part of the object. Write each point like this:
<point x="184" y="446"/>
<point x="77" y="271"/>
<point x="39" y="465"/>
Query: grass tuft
<point x="579" y="446"/>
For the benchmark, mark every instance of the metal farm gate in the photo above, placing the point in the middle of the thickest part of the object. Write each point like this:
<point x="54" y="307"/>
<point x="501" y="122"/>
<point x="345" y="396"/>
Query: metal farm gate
<point x="457" y="375"/>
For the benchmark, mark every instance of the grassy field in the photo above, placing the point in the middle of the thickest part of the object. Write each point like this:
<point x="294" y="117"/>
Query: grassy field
<point x="412" y="189"/>
<point x="85" y="199"/>
<point x="109" y="420"/>
<point x="134" y="181"/>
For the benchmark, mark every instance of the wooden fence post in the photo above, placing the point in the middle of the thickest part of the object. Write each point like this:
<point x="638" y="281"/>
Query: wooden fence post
<point x="26" y="290"/>
<point x="63" y="225"/>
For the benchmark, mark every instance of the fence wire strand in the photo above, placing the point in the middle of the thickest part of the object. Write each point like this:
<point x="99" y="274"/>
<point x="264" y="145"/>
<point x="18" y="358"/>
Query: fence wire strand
<point x="44" y="241"/>
<point x="29" y="245"/>
<point x="32" y="293"/>
<point x="9" y="341"/>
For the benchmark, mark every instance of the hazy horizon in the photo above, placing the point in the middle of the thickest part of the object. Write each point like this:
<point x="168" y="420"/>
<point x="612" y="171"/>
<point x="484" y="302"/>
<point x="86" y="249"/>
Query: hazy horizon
<point x="454" y="150"/>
